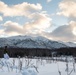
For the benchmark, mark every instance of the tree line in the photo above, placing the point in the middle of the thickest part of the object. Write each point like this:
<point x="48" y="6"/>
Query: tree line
<point x="39" y="52"/>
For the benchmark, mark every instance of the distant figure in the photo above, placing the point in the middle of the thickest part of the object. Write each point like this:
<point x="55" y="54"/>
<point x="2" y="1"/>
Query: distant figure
<point x="6" y="56"/>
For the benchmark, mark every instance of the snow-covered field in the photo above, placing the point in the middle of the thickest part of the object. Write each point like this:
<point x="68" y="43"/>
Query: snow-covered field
<point x="27" y="66"/>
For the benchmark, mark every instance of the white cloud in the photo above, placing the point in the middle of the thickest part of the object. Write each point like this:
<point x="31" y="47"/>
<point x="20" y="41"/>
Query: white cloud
<point x="49" y="1"/>
<point x="39" y="20"/>
<point x="67" y="8"/>
<point x="23" y="9"/>
<point x="12" y="28"/>
<point x="1" y="19"/>
<point x="64" y="33"/>
<point x="1" y="31"/>
<point x="40" y="23"/>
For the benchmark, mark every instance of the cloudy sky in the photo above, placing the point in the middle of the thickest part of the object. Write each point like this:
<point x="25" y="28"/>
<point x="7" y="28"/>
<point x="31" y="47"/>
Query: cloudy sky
<point x="54" y="19"/>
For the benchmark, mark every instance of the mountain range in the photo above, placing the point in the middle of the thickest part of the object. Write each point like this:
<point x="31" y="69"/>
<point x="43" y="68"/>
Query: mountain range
<point x="33" y="42"/>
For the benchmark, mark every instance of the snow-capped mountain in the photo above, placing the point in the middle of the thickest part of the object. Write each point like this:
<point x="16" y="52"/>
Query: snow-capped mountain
<point x="70" y="44"/>
<point x="33" y="42"/>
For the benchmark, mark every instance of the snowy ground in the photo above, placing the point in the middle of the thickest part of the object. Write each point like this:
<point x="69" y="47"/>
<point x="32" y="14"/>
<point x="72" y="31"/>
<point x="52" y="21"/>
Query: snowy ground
<point x="25" y="66"/>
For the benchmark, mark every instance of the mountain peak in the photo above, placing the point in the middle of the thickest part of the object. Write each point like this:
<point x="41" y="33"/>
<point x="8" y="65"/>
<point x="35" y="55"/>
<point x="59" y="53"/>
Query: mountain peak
<point x="33" y="42"/>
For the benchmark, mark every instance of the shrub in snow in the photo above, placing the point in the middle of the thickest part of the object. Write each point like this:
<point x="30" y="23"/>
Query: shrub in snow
<point x="29" y="72"/>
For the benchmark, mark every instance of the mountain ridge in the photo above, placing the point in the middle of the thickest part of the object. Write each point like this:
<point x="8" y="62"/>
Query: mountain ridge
<point x="33" y="42"/>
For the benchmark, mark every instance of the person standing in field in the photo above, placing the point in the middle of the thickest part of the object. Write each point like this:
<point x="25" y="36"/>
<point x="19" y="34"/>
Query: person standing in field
<point x="6" y="56"/>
